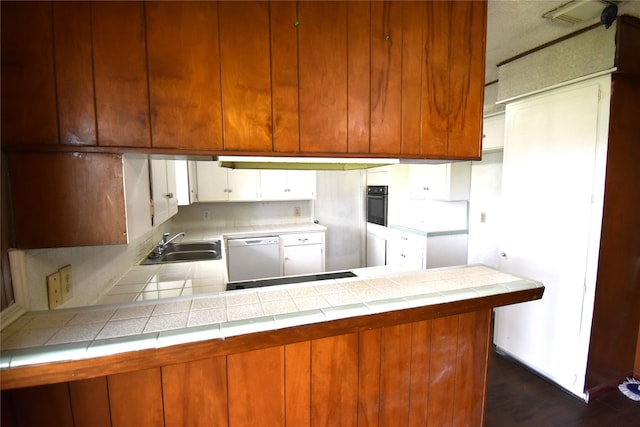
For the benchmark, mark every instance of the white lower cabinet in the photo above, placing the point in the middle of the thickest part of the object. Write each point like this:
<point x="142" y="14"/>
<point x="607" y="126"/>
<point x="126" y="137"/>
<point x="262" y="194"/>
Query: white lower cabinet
<point x="302" y="253"/>
<point x="406" y="250"/>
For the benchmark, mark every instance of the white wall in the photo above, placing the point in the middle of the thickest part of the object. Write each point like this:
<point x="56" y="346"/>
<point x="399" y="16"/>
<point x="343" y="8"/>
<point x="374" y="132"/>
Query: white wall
<point x="486" y="184"/>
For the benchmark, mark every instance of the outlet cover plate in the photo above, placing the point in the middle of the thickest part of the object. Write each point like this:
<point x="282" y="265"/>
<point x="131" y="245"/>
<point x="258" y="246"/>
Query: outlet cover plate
<point x="65" y="282"/>
<point x="54" y="290"/>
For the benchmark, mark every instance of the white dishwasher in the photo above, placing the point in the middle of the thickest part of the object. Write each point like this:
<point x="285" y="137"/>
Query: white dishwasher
<point x="253" y="258"/>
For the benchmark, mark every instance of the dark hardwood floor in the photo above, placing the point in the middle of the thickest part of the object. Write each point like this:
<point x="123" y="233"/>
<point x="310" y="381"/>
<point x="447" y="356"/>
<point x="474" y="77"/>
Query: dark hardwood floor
<point x="517" y="397"/>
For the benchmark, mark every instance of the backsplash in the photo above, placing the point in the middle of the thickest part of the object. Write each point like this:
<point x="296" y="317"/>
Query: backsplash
<point x="233" y="214"/>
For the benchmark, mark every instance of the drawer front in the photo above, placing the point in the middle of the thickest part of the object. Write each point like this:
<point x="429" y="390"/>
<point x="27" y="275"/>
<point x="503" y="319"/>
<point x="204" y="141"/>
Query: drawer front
<point x="301" y="239"/>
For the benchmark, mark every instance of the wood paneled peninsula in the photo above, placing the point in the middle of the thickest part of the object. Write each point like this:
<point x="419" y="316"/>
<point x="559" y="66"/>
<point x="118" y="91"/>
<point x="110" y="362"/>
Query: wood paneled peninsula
<point x="387" y="347"/>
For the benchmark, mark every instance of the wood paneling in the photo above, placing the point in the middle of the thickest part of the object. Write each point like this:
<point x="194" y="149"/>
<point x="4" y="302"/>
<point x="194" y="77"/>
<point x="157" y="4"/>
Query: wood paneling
<point x="430" y="372"/>
<point x="420" y="364"/>
<point x="246" y="79"/>
<point x="184" y="74"/>
<point x="322" y="47"/>
<point x="369" y="378"/>
<point x="614" y="330"/>
<point x="284" y="76"/>
<point x="43" y="182"/>
<point x="46" y="405"/>
<point x="435" y="79"/>
<point x="413" y="16"/>
<point x="74" y="73"/>
<point x="120" y="70"/>
<point x="135" y="398"/>
<point x="28" y="85"/>
<point x="195" y="393"/>
<point x="467" y="35"/>
<point x="471" y="367"/>
<point x="297" y="358"/>
<point x="334" y="381"/>
<point x="256" y="387"/>
<point x="395" y="375"/>
<point x="386" y="76"/>
<point x="359" y="76"/>
<point x="90" y="402"/>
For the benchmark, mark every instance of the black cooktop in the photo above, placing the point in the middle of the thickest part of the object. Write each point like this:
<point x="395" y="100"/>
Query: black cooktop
<point x="232" y="286"/>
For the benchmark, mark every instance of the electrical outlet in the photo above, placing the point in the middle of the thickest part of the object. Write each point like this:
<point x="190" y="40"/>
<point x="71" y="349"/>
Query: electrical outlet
<point x="54" y="290"/>
<point x="65" y="282"/>
<point x="296" y="211"/>
<point x="206" y="215"/>
<point x="483" y="217"/>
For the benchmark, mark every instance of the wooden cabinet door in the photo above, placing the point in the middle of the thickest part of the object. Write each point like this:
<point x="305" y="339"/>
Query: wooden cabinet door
<point x="28" y="86"/>
<point x="59" y="199"/>
<point x="284" y="76"/>
<point x="467" y="47"/>
<point x="120" y="70"/>
<point x="359" y="77"/>
<point x="246" y="76"/>
<point x="74" y="73"/>
<point x="435" y="79"/>
<point x="184" y="74"/>
<point x="322" y="38"/>
<point x="386" y="76"/>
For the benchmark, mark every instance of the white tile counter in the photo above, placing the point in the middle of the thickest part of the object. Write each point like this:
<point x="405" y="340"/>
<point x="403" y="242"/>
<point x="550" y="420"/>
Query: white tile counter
<point x="83" y="333"/>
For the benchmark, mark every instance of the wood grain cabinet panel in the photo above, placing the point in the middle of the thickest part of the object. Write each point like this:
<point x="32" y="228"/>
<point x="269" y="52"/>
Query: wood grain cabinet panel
<point x="195" y="393"/>
<point x="120" y="70"/>
<point x="369" y="378"/>
<point x="28" y="85"/>
<point x="90" y="402"/>
<point x="246" y="76"/>
<point x="284" y="76"/>
<point x="59" y="199"/>
<point x="184" y="74"/>
<point x="386" y="76"/>
<point x="135" y="398"/>
<point x="256" y="387"/>
<point x="322" y="38"/>
<point x="435" y="79"/>
<point x="359" y="76"/>
<point x="467" y="47"/>
<point x="297" y="359"/>
<point x="74" y="73"/>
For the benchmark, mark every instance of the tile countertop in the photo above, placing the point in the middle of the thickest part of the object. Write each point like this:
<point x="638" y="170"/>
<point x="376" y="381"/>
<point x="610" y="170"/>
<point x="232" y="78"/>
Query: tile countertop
<point x="89" y="332"/>
<point x="153" y="282"/>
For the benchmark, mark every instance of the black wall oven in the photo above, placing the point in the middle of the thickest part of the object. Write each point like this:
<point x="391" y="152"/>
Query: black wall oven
<point x="377" y="196"/>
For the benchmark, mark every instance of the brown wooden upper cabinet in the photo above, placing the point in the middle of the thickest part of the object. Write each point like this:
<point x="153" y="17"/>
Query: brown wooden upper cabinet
<point x="312" y="78"/>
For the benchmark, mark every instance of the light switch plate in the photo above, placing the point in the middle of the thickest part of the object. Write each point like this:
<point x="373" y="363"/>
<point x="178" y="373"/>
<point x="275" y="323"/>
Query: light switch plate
<point x="54" y="290"/>
<point x="65" y="282"/>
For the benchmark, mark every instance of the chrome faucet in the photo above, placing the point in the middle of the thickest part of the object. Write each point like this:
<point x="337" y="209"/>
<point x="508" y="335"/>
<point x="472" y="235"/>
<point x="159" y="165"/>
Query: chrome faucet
<point x="162" y="245"/>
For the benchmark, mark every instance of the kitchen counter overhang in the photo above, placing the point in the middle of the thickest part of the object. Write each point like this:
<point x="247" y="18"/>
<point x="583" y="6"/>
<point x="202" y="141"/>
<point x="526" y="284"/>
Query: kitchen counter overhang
<point x="378" y="297"/>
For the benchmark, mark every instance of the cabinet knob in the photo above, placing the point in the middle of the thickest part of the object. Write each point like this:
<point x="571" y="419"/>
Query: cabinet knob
<point x="169" y="195"/>
<point x="503" y="254"/>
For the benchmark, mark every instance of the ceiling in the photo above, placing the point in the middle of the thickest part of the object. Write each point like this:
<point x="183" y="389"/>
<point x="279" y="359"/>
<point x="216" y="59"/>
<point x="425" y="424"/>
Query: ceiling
<point x="516" y="26"/>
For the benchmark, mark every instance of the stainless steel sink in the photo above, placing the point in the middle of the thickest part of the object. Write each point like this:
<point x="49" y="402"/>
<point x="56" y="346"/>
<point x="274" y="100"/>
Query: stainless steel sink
<point x="185" y="252"/>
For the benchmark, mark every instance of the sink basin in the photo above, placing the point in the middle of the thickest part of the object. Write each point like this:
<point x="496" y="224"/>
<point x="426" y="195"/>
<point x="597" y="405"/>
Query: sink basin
<point x="185" y="252"/>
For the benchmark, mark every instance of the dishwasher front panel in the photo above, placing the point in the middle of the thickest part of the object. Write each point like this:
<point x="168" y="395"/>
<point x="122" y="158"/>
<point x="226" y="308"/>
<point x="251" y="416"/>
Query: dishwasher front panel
<point x="253" y="258"/>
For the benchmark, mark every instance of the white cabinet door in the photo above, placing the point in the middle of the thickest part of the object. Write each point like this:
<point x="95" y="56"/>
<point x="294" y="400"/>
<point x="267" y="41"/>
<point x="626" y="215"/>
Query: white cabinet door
<point x="137" y="195"/>
<point x="211" y="182"/>
<point x="448" y="181"/>
<point x="242" y="184"/>
<point x="376" y="250"/>
<point x="301" y="185"/>
<point x="548" y="219"/>
<point x="302" y="253"/>
<point x="163" y="190"/>
<point x="306" y="259"/>
<point x="287" y="184"/>
<point x="406" y="250"/>
<point x="219" y="184"/>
